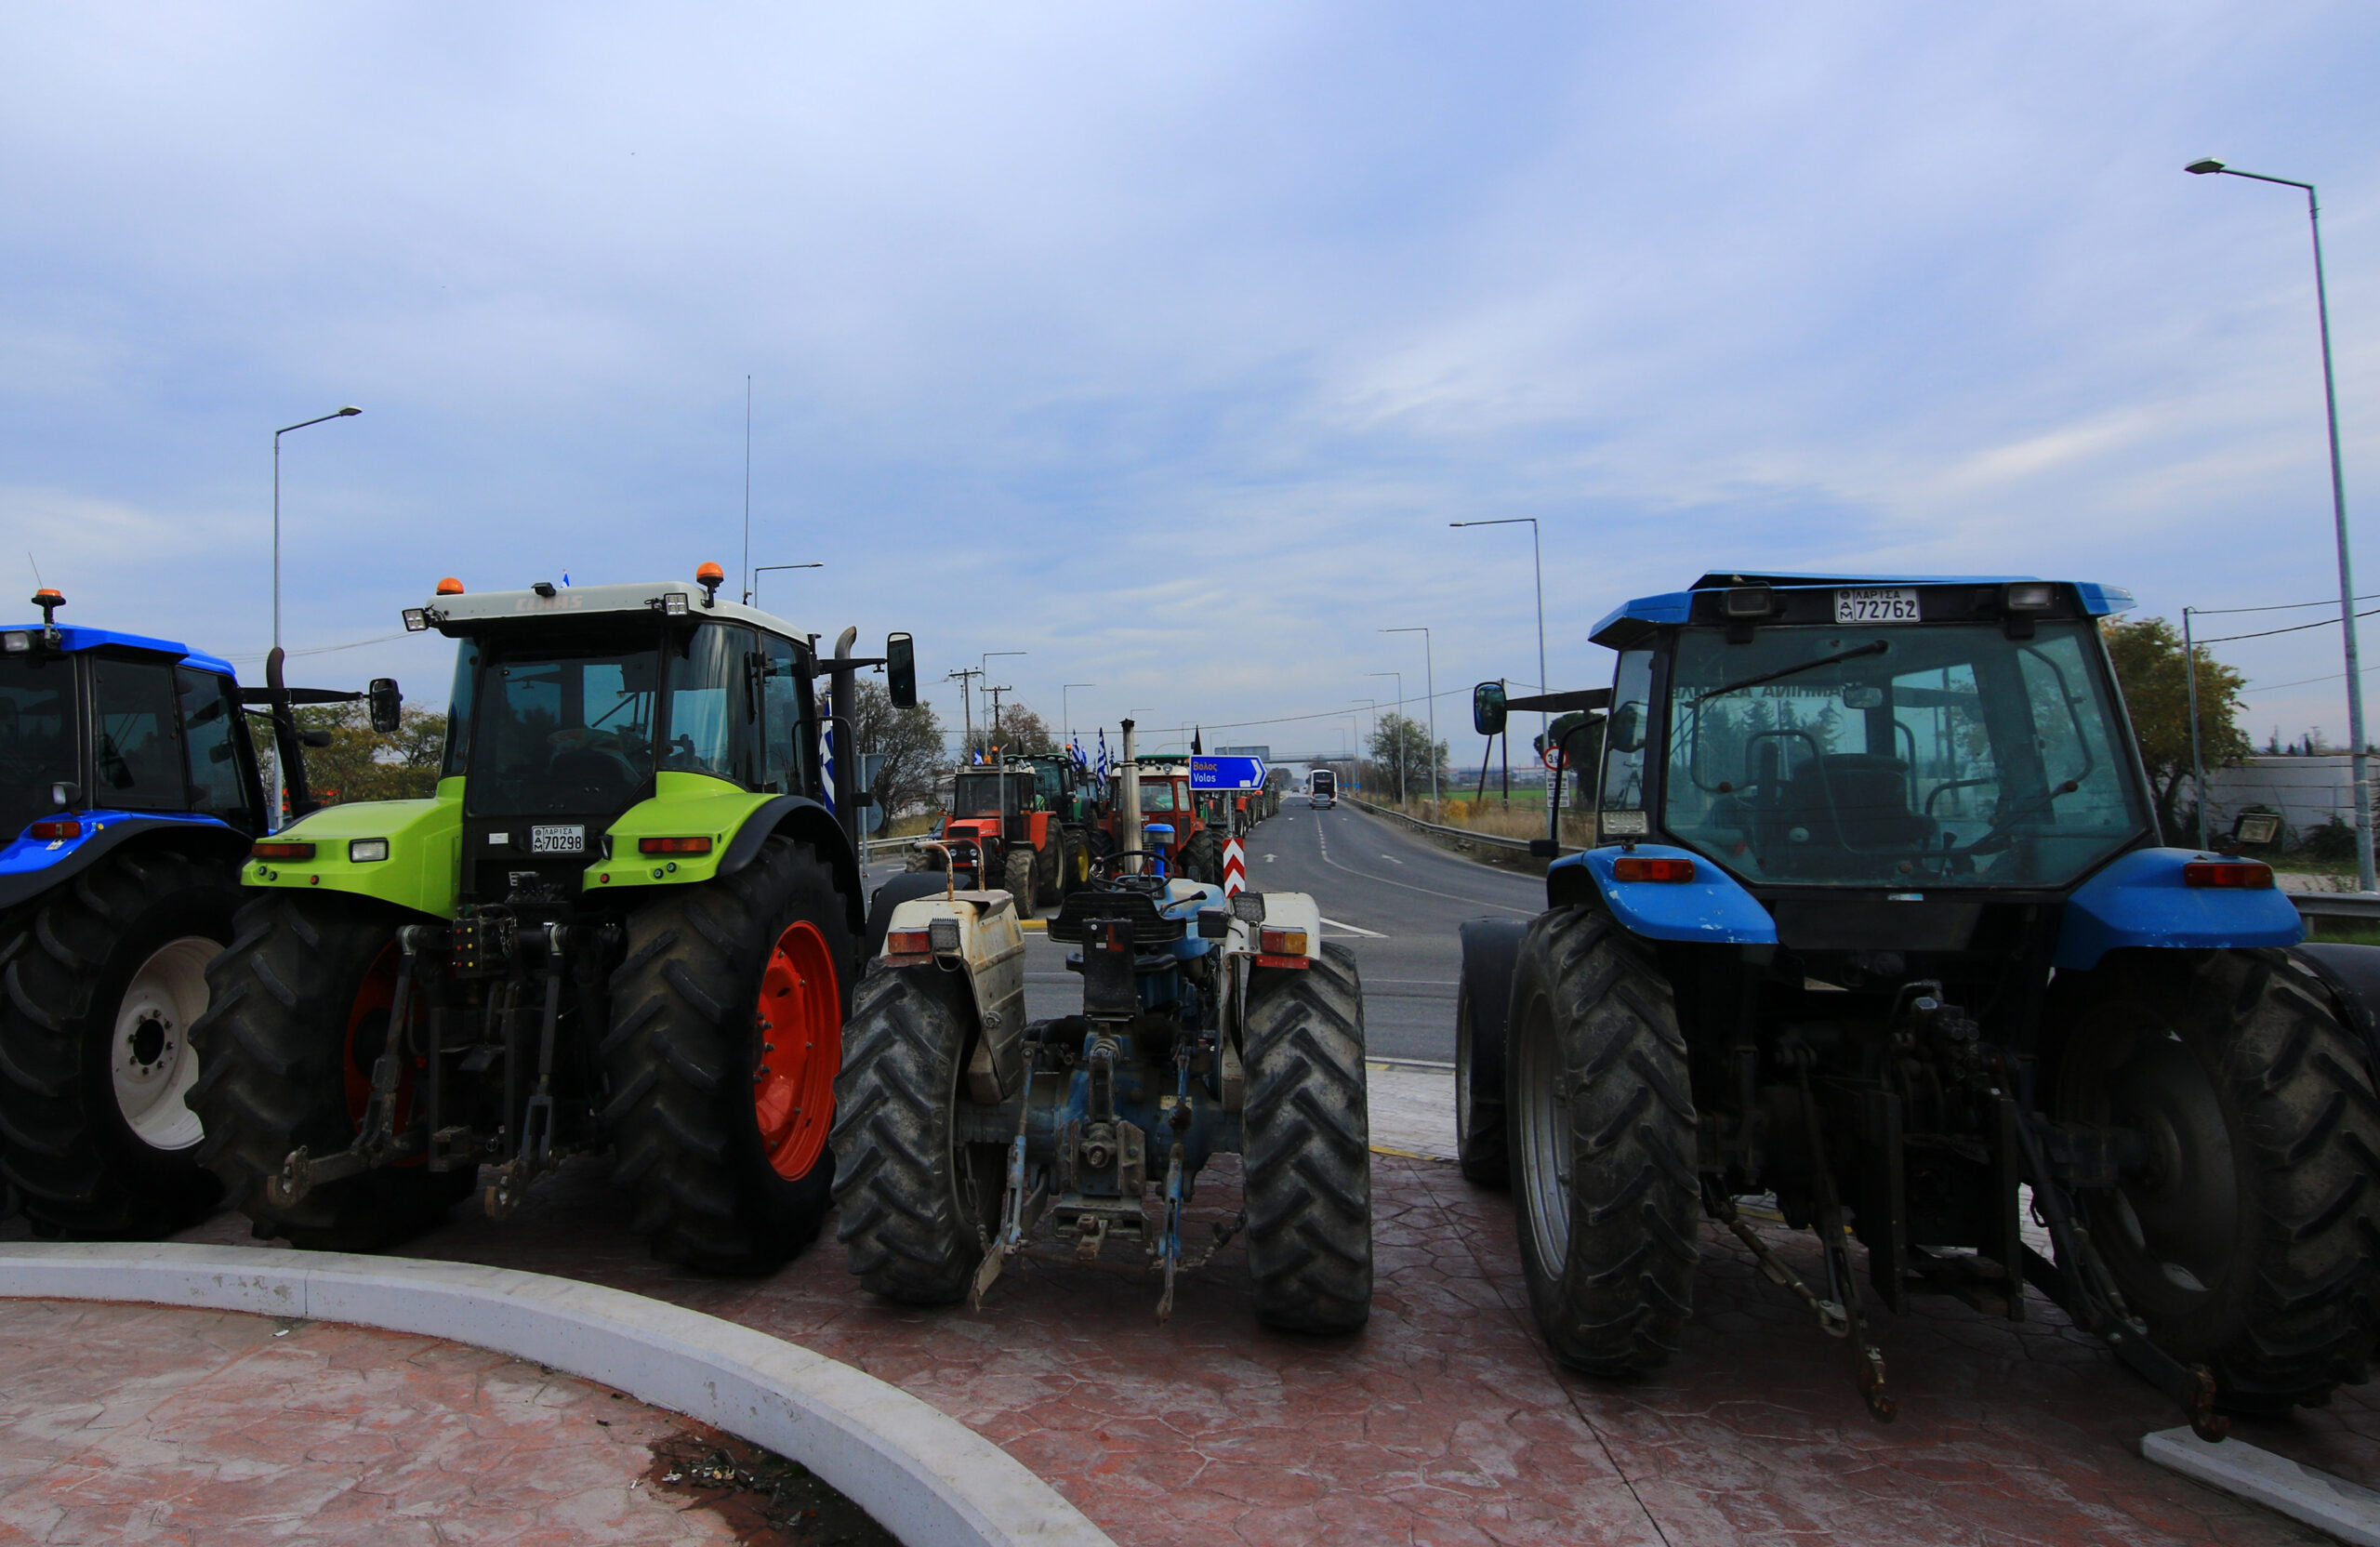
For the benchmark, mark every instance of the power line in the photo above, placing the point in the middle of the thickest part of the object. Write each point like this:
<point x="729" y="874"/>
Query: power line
<point x="2293" y="628"/>
<point x="318" y="649"/>
<point x="2276" y="607"/>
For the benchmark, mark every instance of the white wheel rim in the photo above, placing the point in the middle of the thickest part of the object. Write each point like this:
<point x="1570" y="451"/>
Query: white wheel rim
<point x="150" y="1057"/>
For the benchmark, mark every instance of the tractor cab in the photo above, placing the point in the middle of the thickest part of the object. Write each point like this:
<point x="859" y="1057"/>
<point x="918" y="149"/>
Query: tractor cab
<point x="990" y="809"/>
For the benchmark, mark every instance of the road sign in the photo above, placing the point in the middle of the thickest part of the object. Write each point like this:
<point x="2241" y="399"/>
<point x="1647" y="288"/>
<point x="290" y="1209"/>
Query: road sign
<point x="1220" y="772"/>
<point x="1234" y="867"/>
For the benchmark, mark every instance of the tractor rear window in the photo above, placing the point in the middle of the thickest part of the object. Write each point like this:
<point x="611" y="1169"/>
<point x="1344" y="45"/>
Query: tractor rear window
<point x="1898" y="755"/>
<point x="37" y="736"/>
<point x="561" y="733"/>
<point x="979" y="795"/>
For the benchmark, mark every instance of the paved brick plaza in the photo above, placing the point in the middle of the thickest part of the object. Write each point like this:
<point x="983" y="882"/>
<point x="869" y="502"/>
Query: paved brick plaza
<point x="1444" y="1423"/>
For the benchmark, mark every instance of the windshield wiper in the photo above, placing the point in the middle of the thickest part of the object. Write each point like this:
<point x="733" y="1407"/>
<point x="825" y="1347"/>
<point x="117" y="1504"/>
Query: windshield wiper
<point x="1873" y="647"/>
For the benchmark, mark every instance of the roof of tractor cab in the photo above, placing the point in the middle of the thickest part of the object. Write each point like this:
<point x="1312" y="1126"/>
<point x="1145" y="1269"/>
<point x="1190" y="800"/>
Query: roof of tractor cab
<point x="472" y="611"/>
<point x="1628" y="622"/>
<point x="72" y="637"/>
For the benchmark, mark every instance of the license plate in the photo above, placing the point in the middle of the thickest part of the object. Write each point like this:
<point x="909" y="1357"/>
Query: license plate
<point x="571" y="840"/>
<point x="1878" y="605"/>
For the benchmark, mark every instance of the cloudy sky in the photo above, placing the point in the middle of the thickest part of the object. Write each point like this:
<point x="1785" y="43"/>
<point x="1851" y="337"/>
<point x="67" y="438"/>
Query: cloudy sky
<point x="1162" y="341"/>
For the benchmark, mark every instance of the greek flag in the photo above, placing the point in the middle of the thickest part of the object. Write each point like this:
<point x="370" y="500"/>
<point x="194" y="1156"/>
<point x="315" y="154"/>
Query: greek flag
<point x="1102" y="754"/>
<point x="1074" y="749"/>
<point x="827" y="748"/>
<point x="979" y="758"/>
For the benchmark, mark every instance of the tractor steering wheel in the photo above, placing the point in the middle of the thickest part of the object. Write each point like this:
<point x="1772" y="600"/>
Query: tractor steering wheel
<point x="1103" y="866"/>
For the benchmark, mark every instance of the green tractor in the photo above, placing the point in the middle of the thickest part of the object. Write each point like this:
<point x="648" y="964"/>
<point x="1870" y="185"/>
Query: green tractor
<point x="629" y="919"/>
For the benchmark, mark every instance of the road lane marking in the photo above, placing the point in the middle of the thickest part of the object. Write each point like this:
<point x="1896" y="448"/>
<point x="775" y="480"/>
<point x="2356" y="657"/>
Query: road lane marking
<point x="1351" y="929"/>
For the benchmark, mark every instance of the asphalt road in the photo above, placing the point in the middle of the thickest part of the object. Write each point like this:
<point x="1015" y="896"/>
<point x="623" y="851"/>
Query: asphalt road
<point x="1393" y="897"/>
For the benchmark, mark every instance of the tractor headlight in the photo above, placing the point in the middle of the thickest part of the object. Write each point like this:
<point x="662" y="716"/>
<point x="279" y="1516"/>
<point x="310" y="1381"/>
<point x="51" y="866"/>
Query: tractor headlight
<point x="674" y="604"/>
<point x="1750" y="602"/>
<point x="366" y="851"/>
<point x="2029" y="596"/>
<point x="16" y="642"/>
<point x="417" y="619"/>
<point x="1248" y="908"/>
<point x="943" y="932"/>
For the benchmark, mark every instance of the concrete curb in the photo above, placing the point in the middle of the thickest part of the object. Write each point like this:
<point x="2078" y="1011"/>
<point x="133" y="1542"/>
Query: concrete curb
<point x="2327" y="1503"/>
<point x="928" y="1478"/>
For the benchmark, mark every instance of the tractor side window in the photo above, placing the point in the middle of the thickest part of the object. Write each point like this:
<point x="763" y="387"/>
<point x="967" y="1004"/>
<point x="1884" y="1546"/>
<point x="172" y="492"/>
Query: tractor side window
<point x="37" y="736"/>
<point x="2078" y="744"/>
<point x="211" y="732"/>
<point x="458" y="712"/>
<point x="134" y="757"/>
<point x="1624" y="742"/>
<point x="710" y="721"/>
<point x="781" y="703"/>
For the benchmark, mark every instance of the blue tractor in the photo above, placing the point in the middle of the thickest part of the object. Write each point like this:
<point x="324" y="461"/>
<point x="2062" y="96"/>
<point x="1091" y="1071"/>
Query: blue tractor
<point x="129" y="793"/>
<point x="1876" y="923"/>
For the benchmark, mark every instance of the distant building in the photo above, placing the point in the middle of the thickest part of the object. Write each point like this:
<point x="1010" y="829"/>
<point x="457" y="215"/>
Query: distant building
<point x="2307" y="789"/>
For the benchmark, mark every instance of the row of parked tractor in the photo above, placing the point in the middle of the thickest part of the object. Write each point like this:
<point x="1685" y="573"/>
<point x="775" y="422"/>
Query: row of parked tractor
<point x="1876" y="928"/>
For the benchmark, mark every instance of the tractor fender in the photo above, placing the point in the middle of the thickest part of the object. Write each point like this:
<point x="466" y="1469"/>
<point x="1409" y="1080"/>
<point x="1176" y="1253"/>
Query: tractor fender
<point x="1712" y="909"/>
<point x="1490" y="946"/>
<point x="2352" y="974"/>
<point x="1037" y="830"/>
<point x="2141" y="900"/>
<point x="801" y="818"/>
<point x="990" y="956"/>
<point x="30" y="867"/>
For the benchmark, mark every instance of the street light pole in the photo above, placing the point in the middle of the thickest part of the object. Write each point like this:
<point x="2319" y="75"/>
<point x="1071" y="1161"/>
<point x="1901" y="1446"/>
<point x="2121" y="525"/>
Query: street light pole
<point x="1400" y="729"/>
<point x="2197" y="763"/>
<point x="346" y="413"/>
<point x="1537" y="559"/>
<point x="2364" y="877"/>
<point x="752" y="592"/>
<point x="1429" y="665"/>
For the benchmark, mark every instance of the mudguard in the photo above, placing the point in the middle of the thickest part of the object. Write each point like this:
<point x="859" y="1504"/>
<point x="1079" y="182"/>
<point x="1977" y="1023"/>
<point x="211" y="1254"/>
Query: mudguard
<point x="2352" y="974"/>
<point x="990" y="954"/>
<point x="30" y="867"/>
<point x="1712" y="909"/>
<point x="2140" y="900"/>
<point x="1490" y="946"/>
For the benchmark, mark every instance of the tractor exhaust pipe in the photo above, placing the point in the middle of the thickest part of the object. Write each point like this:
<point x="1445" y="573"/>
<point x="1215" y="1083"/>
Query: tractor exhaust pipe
<point x="1129" y="831"/>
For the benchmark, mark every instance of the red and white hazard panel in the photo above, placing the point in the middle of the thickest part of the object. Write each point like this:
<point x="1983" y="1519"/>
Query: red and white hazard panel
<point x="1234" y="867"/>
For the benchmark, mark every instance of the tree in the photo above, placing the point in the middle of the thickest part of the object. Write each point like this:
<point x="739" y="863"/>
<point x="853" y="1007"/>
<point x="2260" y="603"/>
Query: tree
<point x="361" y="763"/>
<point x="2151" y="671"/>
<point x="1401" y="748"/>
<point x="910" y="741"/>
<point x="1021" y="731"/>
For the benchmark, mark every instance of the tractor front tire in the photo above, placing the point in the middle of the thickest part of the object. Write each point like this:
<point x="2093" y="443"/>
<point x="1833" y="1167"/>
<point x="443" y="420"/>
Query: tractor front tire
<point x="926" y="859"/>
<point x="1054" y="864"/>
<point x="720" y="1061"/>
<point x="1600" y="1121"/>
<point x="914" y="1206"/>
<point x="288" y="1039"/>
<point x="1020" y="876"/>
<point x="1307" y="1139"/>
<point x="1202" y="859"/>
<point x="2251" y="1243"/>
<point x="99" y="984"/>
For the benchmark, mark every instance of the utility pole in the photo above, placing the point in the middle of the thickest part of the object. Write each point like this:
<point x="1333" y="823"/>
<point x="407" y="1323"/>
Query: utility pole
<point x="996" y="709"/>
<point x="965" y="677"/>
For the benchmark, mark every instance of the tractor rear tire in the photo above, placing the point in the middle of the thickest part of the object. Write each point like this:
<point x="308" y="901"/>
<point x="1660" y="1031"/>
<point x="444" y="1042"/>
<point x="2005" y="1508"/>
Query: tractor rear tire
<point x="715" y="1111"/>
<point x="2253" y="1246"/>
<point x="99" y="982"/>
<point x="914" y="1206"/>
<point x="1020" y="876"/>
<point x="1202" y="858"/>
<point x="1308" y="1158"/>
<point x="287" y="1033"/>
<point x="1601" y="1124"/>
<point x="925" y="859"/>
<point x="1481" y="1032"/>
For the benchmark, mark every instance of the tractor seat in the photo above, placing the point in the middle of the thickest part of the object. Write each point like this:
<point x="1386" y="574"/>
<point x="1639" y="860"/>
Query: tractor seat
<point x="1857" y="801"/>
<point x="1135" y="907"/>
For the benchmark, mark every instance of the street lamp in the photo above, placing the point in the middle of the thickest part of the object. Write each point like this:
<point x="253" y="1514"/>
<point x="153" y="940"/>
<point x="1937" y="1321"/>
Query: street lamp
<point x="752" y="595"/>
<point x="1066" y="713"/>
<point x="346" y="413"/>
<point x="1430" y="685"/>
<point x="1400" y="729"/>
<point x="2364" y="878"/>
<point x="1537" y="556"/>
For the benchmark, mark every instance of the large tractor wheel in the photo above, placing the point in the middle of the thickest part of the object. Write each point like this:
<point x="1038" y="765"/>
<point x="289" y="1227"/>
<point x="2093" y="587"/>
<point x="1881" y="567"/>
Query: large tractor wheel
<point x="102" y="982"/>
<point x="915" y="1206"/>
<point x="722" y="1061"/>
<point x="1600" y="1123"/>
<point x="926" y="859"/>
<point x="1020" y="876"/>
<point x="298" y="1016"/>
<point x="1482" y="1016"/>
<point x="1307" y="1137"/>
<point x="1054" y="867"/>
<point x="2251" y="1241"/>
<point x="1202" y="857"/>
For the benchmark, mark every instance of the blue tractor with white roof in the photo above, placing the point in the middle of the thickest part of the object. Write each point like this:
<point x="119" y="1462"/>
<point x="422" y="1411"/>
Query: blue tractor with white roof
<point x="1877" y="923"/>
<point x="128" y="797"/>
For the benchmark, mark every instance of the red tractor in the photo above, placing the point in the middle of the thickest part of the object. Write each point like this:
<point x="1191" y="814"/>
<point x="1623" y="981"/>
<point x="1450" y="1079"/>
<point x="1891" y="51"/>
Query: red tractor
<point x="1166" y="799"/>
<point x="1001" y="833"/>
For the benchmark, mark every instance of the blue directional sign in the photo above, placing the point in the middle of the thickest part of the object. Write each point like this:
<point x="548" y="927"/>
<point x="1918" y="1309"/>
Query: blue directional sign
<point x="1220" y="772"/>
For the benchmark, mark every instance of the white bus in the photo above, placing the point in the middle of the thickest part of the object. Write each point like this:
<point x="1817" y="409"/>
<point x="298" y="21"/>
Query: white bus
<point x="1322" y="788"/>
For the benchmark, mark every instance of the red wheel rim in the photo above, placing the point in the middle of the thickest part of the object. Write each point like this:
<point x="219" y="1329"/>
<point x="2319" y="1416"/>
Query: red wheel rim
<point x="377" y="995"/>
<point x="799" y="1026"/>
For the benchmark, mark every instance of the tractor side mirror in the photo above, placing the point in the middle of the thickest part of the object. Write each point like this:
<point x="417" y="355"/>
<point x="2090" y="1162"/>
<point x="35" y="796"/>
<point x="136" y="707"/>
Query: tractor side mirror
<point x="901" y="670"/>
<point x="1488" y="708"/>
<point x="66" y="793"/>
<point x="1628" y="728"/>
<point x="388" y="704"/>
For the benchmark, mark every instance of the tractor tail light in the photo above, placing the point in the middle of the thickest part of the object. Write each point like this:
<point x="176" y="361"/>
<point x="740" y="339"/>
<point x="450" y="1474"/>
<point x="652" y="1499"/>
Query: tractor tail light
<point x="281" y="850"/>
<point x="1642" y="867"/>
<point x="673" y="845"/>
<point x="1282" y="942"/>
<point x="52" y="831"/>
<point x="909" y="943"/>
<point x="2230" y="874"/>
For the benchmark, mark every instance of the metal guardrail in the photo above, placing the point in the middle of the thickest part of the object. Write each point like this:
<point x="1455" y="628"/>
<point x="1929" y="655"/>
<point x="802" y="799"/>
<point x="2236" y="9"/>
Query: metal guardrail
<point x="1460" y="835"/>
<point x="2337" y="905"/>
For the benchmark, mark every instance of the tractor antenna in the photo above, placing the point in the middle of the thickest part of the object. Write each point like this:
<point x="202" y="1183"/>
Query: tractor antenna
<point x="38" y="583"/>
<point x="747" y="489"/>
